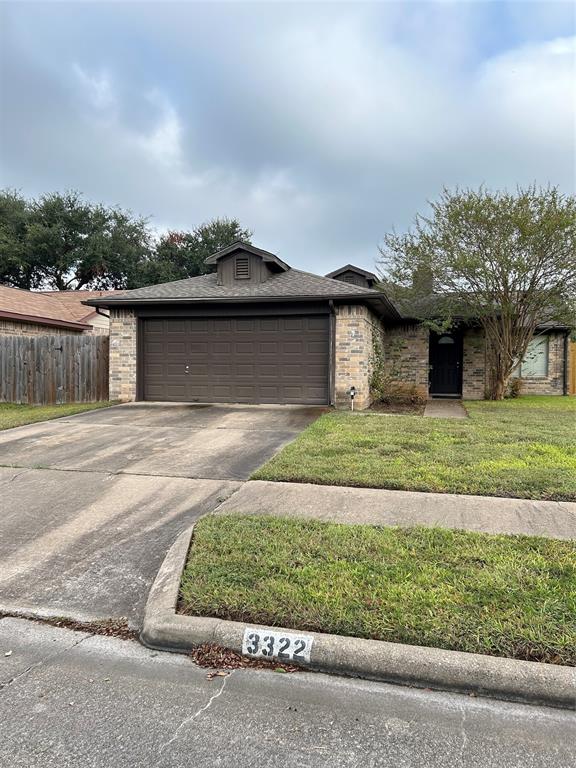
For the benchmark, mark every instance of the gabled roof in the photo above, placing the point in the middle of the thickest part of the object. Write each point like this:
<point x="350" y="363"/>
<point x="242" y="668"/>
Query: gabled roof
<point x="291" y="285"/>
<point x="352" y="268"/>
<point x="239" y="245"/>
<point x="73" y="302"/>
<point x="35" y="307"/>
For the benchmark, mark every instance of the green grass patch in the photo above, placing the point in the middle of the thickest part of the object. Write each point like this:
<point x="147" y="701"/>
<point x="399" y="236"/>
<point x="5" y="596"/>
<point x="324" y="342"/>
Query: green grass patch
<point x="14" y="415"/>
<point x="523" y="448"/>
<point x="512" y="596"/>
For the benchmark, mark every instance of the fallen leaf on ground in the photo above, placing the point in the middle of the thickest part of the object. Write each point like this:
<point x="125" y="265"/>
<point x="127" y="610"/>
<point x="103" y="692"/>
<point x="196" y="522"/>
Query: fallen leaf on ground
<point x="218" y="658"/>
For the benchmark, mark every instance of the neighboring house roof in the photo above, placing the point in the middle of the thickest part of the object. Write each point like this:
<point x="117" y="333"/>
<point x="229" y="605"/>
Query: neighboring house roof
<point x="352" y="268"/>
<point x="290" y="284"/>
<point x="52" y="308"/>
<point x="73" y="302"/>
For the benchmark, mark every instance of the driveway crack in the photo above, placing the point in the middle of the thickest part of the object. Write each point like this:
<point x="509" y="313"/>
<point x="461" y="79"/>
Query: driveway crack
<point x="14" y="477"/>
<point x="194" y="715"/>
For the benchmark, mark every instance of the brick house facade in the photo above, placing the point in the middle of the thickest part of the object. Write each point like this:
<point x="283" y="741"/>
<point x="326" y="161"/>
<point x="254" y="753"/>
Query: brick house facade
<point x="258" y="331"/>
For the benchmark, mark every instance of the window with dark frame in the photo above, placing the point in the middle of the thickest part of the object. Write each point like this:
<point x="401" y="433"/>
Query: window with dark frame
<point x="242" y="268"/>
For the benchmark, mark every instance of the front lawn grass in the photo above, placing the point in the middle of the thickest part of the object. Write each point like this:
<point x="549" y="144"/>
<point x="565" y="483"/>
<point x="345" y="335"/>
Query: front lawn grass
<point x="524" y="448"/>
<point x="512" y="596"/>
<point x="15" y="415"/>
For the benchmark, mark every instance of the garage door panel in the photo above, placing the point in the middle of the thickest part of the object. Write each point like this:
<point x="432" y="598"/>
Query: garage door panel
<point x="268" y="347"/>
<point x="292" y="348"/>
<point x="220" y="348"/>
<point x="316" y="323"/>
<point x="176" y="348"/>
<point x="269" y="325"/>
<point x="294" y="324"/>
<point x="279" y="359"/>
<point x="154" y="347"/>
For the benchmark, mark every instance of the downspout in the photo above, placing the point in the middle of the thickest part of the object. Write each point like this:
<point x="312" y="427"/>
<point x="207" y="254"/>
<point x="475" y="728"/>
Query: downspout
<point x="331" y="354"/>
<point x="565" y="376"/>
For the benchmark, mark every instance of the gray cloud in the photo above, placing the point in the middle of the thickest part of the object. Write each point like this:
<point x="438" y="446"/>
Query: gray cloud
<point x="319" y="126"/>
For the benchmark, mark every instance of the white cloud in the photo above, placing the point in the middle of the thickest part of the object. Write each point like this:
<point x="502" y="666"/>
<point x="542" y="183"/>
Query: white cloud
<point x="531" y="91"/>
<point x="97" y="87"/>
<point x="164" y="142"/>
<point x="319" y="126"/>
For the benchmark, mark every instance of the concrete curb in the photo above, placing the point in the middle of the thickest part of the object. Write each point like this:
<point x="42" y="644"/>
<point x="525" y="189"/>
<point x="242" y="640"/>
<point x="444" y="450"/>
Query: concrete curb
<point x="508" y="679"/>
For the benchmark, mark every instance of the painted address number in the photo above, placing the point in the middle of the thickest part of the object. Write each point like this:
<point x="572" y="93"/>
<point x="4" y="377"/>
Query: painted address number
<point x="284" y="646"/>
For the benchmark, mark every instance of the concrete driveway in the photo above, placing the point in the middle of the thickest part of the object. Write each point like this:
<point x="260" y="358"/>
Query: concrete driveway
<point x="91" y="503"/>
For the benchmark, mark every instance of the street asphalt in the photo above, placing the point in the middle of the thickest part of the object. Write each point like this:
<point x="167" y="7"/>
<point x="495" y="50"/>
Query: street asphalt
<point x="70" y="699"/>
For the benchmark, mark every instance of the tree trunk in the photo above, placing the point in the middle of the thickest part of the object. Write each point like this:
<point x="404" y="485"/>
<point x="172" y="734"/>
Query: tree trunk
<point x="499" y="386"/>
<point x="498" y="370"/>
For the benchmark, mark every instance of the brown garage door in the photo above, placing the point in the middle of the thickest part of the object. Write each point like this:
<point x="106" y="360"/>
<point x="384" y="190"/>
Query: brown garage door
<point x="237" y="359"/>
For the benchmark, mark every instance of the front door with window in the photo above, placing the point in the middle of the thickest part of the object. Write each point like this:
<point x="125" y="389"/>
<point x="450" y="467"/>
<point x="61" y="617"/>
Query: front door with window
<point x="446" y="364"/>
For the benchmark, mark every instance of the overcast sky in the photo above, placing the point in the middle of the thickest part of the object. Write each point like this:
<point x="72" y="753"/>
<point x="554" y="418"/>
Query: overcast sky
<point x="320" y="126"/>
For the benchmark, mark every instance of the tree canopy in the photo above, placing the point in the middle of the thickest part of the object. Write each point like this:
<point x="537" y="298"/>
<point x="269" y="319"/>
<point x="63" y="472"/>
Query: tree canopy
<point x="63" y="242"/>
<point x="182" y="254"/>
<point x="505" y="261"/>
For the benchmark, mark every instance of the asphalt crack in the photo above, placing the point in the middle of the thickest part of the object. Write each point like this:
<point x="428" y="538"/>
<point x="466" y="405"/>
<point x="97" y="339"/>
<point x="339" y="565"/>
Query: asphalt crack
<point x="463" y="733"/>
<point x="194" y="715"/>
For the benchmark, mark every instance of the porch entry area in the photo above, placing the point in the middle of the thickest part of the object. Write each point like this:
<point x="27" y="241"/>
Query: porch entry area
<point x="445" y="364"/>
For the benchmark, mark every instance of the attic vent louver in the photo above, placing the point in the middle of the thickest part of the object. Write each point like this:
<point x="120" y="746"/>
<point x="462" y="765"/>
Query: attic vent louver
<point x="242" y="268"/>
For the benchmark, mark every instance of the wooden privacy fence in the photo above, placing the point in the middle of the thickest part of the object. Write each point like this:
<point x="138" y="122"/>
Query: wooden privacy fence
<point x="53" y="369"/>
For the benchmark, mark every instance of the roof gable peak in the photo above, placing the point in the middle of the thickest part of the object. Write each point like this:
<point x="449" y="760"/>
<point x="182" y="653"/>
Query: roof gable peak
<point x="240" y="245"/>
<point x="352" y="268"/>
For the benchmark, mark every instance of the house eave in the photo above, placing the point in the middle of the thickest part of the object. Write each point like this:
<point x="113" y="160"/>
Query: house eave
<point x="378" y="301"/>
<point x="48" y="321"/>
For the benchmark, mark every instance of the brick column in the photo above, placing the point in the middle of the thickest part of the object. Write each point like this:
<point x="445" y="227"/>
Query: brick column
<point x="123" y="325"/>
<point x="353" y="351"/>
<point x="474" y="363"/>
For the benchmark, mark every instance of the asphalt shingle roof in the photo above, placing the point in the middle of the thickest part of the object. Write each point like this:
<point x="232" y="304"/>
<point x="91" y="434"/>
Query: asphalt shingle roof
<point x="292" y="283"/>
<point x="72" y="301"/>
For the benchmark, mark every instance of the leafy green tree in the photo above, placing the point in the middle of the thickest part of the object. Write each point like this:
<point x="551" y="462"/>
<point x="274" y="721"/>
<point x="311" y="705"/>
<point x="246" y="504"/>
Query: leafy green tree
<point x="15" y="264"/>
<point x="77" y="244"/>
<point x="182" y="254"/>
<point x="63" y="242"/>
<point x="506" y="261"/>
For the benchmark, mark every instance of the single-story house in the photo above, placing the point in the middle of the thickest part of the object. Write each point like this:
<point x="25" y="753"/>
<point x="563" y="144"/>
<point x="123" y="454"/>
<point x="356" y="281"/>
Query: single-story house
<point x="37" y="313"/>
<point x="258" y="331"/>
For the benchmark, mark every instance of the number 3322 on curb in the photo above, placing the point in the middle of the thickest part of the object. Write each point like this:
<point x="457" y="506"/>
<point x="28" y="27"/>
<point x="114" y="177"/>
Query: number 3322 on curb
<point x="284" y="646"/>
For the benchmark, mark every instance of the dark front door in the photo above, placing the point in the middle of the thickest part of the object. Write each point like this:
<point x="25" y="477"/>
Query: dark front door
<point x="237" y="359"/>
<point x="446" y="364"/>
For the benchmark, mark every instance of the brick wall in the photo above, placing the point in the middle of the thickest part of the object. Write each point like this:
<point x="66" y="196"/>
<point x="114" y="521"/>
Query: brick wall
<point x="355" y="326"/>
<point x="123" y="324"/>
<point x="406" y="360"/>
<point x="474" y="365"/>
<point x="15" y="328"/>
<point x="475" y="374"/>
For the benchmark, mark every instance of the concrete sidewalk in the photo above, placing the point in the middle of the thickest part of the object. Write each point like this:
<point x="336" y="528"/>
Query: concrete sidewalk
<point x="554" y="519"/>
